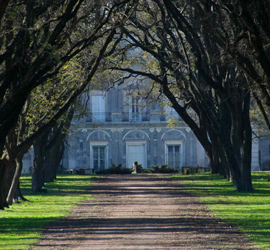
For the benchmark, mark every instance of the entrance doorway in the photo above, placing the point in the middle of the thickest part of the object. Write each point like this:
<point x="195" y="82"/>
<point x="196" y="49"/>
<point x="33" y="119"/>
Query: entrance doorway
<point x="136" y="152"/>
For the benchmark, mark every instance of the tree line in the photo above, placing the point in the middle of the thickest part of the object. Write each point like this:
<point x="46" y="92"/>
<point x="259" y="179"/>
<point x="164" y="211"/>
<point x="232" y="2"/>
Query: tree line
<point x="209" y="58"/>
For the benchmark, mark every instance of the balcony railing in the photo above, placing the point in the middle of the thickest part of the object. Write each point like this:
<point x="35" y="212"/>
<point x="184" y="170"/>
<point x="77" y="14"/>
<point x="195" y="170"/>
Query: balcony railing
<point x="99" y="117"/>
<point x="125" y="117"/>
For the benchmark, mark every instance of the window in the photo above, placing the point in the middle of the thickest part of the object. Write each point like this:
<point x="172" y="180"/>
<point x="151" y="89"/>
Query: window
<point x="135" y="113"/>
<point x="135" y="105"/>
<point x="99" y="157"/>
<point x="174" y="156"/>
<point x="98" y="108"/>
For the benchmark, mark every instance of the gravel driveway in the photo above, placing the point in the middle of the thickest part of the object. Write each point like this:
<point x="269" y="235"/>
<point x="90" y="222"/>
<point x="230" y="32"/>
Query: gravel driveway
<point x="141" y="212"/>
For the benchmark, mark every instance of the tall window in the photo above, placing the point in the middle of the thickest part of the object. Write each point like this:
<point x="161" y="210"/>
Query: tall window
<point x="99" y="157"/>
<point x="174" y="156"/>
<point x="98" y="108"/>
<point x="135" y="108"/>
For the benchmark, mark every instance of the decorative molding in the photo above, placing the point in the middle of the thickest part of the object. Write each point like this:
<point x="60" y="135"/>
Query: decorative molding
<point x="116" y="130"/>
<point x="173" y="134"/>
<point x="136" y="135"/>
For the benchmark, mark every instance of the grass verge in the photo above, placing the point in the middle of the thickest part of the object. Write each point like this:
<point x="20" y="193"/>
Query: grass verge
<point x="21" y="224"/>
<point x="249" y="211"/>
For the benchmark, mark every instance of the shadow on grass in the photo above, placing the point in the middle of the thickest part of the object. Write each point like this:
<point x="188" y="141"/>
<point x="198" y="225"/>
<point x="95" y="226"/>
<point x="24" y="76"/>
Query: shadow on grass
<point x="218" y="185"/>
<point x="249" y="211"/>
<point x="21" y="226"/>
<point x="64" y="184"/>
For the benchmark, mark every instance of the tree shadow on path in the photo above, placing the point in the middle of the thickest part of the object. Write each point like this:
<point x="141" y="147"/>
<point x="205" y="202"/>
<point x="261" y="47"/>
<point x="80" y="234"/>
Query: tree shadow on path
<point x="141" y="212"/>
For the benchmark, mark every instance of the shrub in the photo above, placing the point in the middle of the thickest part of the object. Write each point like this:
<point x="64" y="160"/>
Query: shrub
<point x="266" y="165"/>
<point x="186" y="170"/>
<point x="139" y="168"/>
<point x="119" y="169"/>
<point x="146" y="170"/>
<point x="163" y="169"/>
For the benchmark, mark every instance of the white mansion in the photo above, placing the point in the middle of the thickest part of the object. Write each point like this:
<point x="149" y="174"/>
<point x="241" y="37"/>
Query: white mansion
<point x="121" y="128"/>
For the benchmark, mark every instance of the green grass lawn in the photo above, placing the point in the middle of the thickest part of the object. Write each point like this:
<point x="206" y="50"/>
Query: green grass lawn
<point x="249" y="211"/>
<point x="21" y="224"/>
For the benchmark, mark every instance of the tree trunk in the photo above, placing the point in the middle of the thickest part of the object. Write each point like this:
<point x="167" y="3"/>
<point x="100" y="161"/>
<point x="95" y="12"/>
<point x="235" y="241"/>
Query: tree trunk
<point x="246" y="150"/>
<point x="216" y="167"/>
<point x="50" y="147"/>
<point x="52" y="161"/>
<point x="18" y="195"/>
<point x="236" y="142"/>
<point x="15" y="180"/>
<point x="38" y="164"/>
<point x="37" y="181"/>
<point x="6" y="175"/>
<point x="3" y="202"/>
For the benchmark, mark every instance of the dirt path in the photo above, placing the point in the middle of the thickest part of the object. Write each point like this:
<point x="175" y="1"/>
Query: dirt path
<point x="141" y="212"/>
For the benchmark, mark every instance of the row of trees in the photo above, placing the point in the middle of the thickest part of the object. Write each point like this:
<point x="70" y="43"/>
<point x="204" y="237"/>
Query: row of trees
<point x="195" y="74"/>
<point x="208" y="57"/>
<point x="43" y="70"/>
<point x="204" y="56"/>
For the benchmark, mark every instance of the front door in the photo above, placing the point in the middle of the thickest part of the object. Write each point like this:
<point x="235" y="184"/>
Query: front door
<point x="136" y="153"/>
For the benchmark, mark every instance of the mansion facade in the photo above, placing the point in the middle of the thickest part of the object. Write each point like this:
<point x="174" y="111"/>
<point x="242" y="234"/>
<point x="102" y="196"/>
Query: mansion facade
<point x="121" y="128"/>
